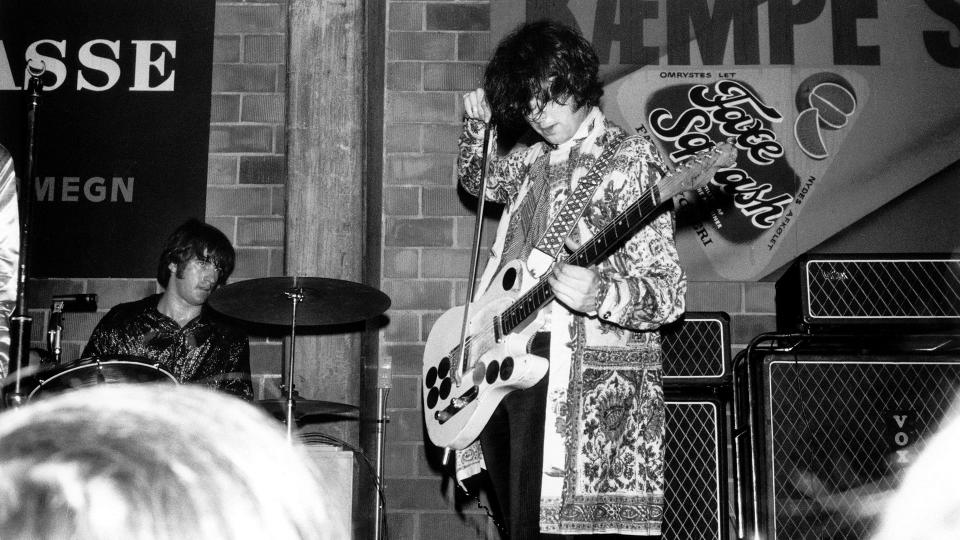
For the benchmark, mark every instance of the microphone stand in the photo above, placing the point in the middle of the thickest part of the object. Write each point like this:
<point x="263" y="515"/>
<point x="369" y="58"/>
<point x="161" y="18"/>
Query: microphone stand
<point x="383" y="390"/>
<point x="55" y="330"/>
<point x="488" y="141"/>
<point x="20" y="320"/>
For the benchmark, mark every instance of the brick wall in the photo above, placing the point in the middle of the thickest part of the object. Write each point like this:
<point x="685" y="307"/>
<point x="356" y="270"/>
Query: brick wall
<point x="436" y="51"/>
<point x="245" y="190"/>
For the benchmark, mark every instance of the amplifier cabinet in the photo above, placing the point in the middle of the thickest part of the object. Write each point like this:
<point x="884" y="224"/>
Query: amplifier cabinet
<point x="696" y="491"/>
<point x="696" y="349"/>
<point x="336" y="466"/>
<point x="903" y="290"/>
<point x="818" y="427"/>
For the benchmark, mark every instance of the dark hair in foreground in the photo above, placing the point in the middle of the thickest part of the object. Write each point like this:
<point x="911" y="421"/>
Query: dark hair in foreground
<point x="192" y="240"/>
<point x="540" y="61"/>
<point x="157" y="462"/>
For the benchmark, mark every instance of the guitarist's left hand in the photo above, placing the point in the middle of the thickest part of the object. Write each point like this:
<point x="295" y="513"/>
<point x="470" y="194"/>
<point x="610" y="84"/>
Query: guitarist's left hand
<point x="575" y="287"/>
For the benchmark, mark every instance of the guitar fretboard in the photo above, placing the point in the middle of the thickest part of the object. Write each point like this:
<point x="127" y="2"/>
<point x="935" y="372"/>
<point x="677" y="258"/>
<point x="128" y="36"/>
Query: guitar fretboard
<point x="636" y="216"/>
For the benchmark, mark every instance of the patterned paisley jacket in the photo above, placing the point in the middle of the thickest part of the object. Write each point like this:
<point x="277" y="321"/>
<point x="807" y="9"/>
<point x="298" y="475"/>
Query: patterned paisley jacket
<point x="603" y="438"/>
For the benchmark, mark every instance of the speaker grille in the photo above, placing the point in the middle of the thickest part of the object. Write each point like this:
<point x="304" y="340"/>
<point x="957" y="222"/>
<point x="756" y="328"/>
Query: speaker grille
<point x="696" y="349"/>
<point x="835" y="423"/>
<point x="694" y="497"/>
<point x="882" y="289"/>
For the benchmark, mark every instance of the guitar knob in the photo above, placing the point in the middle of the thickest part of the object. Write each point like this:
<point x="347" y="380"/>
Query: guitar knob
<point x="506" y="369"/>
<point x="433" y="396"/>
<point x="479" y="372"/>
<point x="444" y="367"/>
<point x="492" y="371"/>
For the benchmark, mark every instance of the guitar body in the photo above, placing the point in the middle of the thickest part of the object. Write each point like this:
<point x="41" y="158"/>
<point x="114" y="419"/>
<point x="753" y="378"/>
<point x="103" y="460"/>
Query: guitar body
<point x="459" y="397"/>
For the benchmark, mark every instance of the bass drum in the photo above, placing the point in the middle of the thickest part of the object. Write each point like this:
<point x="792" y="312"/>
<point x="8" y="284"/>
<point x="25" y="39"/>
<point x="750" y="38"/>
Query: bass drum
<point x="100" y="370"/>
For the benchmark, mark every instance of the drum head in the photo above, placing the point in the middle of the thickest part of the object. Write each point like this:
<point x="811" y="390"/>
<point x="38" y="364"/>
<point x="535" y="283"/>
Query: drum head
<point x="100" y="370"/>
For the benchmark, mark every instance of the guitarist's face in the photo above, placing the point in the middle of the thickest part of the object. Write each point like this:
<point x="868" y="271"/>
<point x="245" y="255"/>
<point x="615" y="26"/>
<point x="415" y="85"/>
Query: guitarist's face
<point x="557" y="120"/>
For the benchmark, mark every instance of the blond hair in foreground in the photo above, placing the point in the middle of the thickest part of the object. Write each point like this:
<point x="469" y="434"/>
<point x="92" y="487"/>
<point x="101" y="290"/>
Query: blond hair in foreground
<point x="155" y="462"/>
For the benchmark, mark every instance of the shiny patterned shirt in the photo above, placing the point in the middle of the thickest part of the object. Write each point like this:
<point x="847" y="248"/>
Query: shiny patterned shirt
<point x="204" y="351"/>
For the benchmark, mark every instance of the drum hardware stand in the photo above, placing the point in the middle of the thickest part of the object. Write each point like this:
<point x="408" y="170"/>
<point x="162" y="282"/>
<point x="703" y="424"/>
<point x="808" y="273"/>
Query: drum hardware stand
<point x="327" y="301"/>
<point x="20" y="320"/>
<point x="295" y="294"/>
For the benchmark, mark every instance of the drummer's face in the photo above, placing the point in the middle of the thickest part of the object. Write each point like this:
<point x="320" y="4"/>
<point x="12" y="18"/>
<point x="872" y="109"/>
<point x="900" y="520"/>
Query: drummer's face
<point x="199" y="279"/>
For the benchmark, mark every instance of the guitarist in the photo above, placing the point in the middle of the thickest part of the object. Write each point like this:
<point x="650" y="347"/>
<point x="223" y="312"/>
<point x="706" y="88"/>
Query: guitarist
<point x="582" y="450"/>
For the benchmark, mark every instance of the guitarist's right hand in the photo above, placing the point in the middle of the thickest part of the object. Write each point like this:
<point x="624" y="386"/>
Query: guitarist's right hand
<point x="475" y="105"/>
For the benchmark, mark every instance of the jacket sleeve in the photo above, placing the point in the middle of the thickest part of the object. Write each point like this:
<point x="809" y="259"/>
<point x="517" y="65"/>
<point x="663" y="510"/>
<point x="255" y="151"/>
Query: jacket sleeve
<point x="504" y="172"/>
<point x="239" y="381"/>
<point x="643" y="285"/>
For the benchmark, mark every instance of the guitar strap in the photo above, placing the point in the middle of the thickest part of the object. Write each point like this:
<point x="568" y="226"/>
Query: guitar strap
<point x="548" y="247"/>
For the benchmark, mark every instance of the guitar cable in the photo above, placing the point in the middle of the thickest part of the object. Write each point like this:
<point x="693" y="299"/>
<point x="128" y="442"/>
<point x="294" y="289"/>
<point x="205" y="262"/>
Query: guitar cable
<point x="324" y="438"/>
<point x="486" y="510"/>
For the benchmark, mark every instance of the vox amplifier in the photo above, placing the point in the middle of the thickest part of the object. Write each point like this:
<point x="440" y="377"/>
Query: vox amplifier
<point x="836" y="291"/>
<point x="823" y="425"/>
<point x="695" y="466"/>
<point x="696" y="349"/>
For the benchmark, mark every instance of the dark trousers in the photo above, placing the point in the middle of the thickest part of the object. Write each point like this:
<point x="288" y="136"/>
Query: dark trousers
<point x="512" y="444"/>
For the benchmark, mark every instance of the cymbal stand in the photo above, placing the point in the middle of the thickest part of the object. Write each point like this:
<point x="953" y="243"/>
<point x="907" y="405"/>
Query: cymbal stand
<point x="384" y="383"/>
<point x="295" y="294"/>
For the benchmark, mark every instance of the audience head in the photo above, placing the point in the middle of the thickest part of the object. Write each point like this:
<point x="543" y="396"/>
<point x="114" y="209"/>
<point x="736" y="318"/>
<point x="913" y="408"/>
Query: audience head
<point x="926" y="505"/>
<point x="155" y="462"/>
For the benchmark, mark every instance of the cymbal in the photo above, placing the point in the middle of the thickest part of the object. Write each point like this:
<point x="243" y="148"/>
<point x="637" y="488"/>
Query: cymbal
<point x="305" y="407"/>
<point x="322" y="301"/>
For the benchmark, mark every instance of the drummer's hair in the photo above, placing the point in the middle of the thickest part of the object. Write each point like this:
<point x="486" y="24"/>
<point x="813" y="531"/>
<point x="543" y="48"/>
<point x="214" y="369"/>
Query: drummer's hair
<point x="157" y="462"/>
<point x="196" y="239"/>
<point x="540" y="61"/>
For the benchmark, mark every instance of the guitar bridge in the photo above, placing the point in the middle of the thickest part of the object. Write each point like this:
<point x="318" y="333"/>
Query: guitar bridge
<point x="497" y="330"/>
<point x="456" y="404"/>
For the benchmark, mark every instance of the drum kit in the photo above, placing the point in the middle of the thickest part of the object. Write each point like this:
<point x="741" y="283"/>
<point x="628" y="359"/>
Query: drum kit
<point x="294" y="302"/>
<point x="277" y="301"/>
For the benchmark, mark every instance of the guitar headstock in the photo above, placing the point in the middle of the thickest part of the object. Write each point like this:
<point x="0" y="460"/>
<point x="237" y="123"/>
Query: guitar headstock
<point x="697" y="170"/>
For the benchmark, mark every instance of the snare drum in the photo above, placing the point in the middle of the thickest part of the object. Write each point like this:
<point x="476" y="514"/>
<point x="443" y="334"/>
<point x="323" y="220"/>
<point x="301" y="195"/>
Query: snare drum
<point x="98" y="370"/>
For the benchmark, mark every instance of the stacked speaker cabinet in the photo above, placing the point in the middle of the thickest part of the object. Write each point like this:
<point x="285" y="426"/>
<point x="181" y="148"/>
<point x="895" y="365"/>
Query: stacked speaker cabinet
<point x="696" y="374"/>
<point x="826" y="423"/>
<point x="828" y="410"/>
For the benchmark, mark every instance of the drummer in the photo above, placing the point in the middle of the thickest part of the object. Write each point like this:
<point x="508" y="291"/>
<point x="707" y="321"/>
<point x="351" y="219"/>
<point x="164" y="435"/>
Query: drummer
<point x="175" y="329"/>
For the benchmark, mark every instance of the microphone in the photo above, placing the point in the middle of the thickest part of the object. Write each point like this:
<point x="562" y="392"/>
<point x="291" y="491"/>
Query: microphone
<point x="60" y="304"/>
<point x="76" y="303"/>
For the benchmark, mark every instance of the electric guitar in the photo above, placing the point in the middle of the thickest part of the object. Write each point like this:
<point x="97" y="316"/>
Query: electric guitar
<point x="461" y="388"/>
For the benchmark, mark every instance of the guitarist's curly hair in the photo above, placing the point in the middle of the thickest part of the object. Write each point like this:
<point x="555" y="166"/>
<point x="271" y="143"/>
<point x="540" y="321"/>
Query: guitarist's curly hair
<point x="540" y="62"/>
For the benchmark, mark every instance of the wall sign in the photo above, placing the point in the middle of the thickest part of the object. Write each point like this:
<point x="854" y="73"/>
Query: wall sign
<point x="836" y="108"/>
<point x="122" y="126"/>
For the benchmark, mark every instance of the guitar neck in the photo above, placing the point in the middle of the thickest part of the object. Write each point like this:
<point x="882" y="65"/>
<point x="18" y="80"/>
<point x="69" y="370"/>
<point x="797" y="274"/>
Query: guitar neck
<point x="598" y="248"/>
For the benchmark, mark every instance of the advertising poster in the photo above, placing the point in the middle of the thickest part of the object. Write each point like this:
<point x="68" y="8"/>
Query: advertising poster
<point x="835" y="109"/>
<point x="121" y="126"/>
